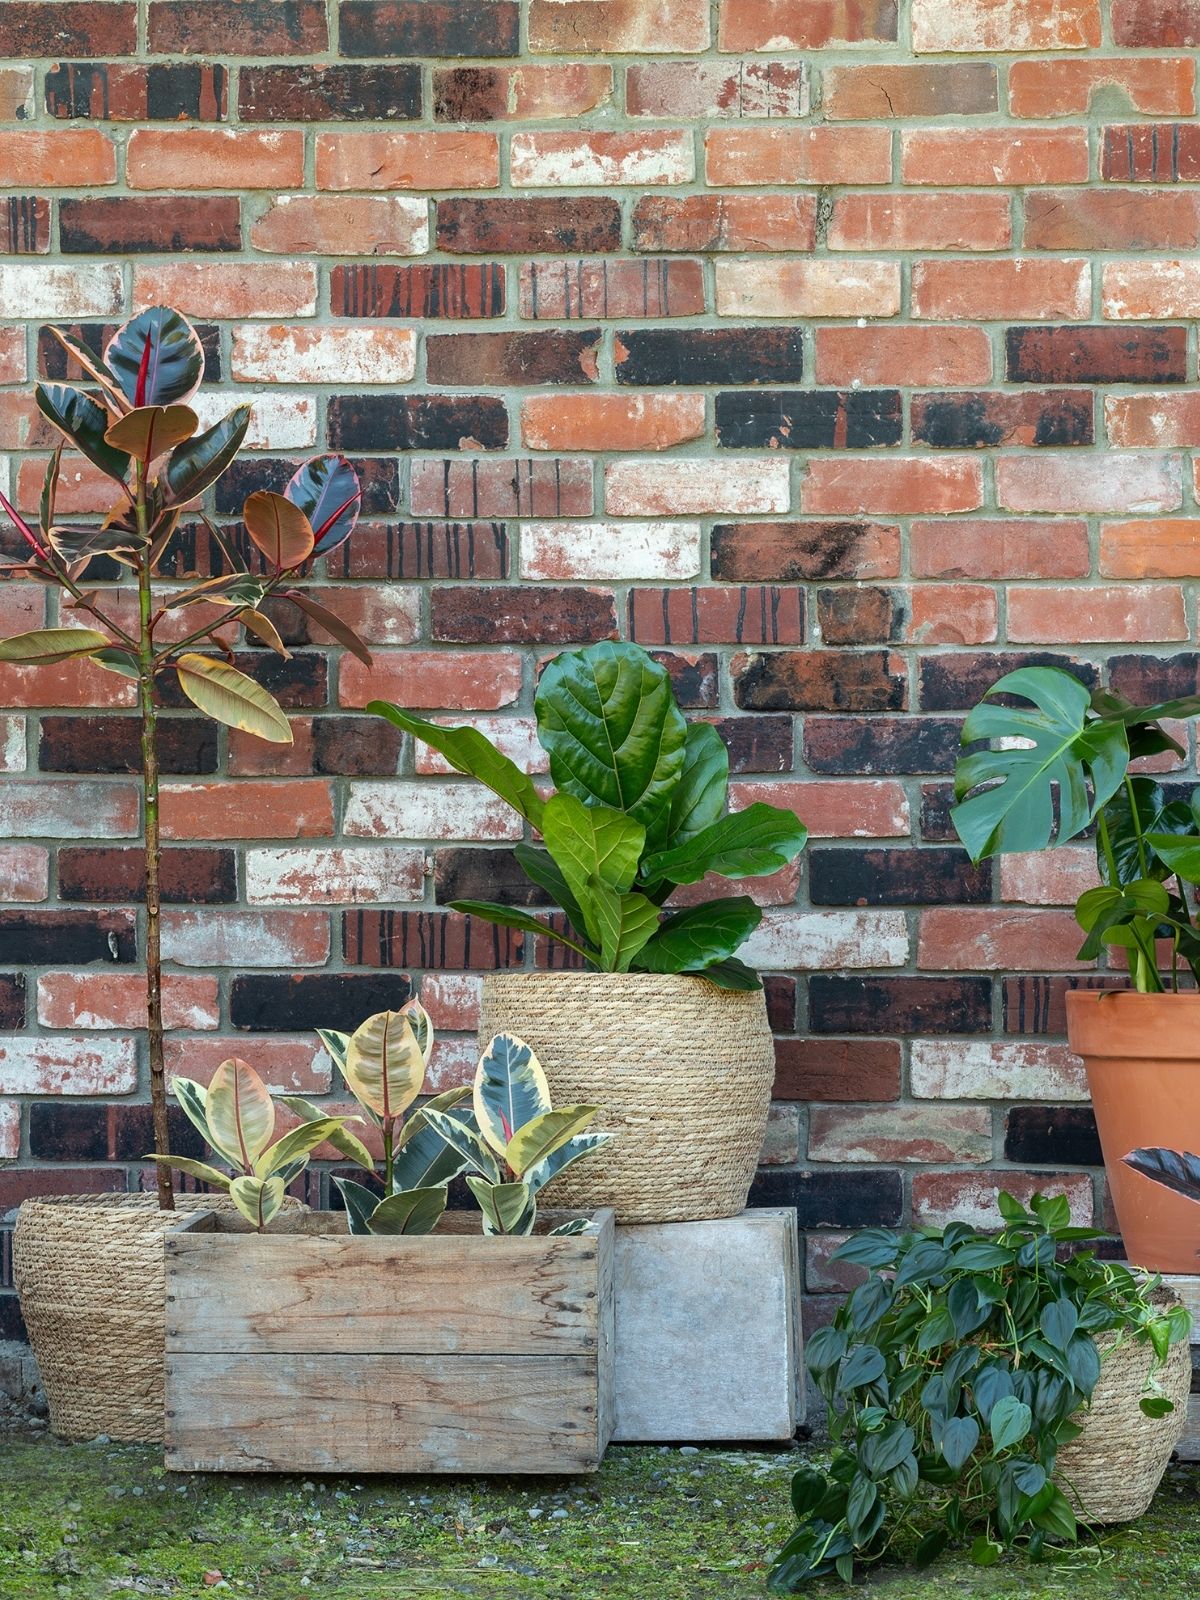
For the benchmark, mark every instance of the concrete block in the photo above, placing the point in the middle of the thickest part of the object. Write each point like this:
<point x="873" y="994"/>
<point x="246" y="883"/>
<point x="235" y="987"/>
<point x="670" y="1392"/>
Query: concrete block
<point x="708" y="1341"/>
<point x="20" y="1380"/>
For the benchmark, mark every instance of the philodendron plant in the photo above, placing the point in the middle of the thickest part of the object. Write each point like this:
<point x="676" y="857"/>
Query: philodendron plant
<point x="638" y="810"/>
<point x="132" y="421"/>
<point x="1068" y="743"/>
<point x="236" y="1117"/>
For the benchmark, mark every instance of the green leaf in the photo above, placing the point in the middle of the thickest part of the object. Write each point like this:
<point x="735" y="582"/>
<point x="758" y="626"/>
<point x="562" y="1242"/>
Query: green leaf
<point x="360" y="1204"/>
<point x="825" y="1349"/>
<point x="540" y="867"/>
<point x="195" y="1169"/>
<point x="699" y="798"/>
<point x="583" y="1144"/>
<point x="506" y="917"/>
<point x="696" y="937"/>
<point x="986" y="1552"/>
<point x="864" y="1364"/>
<point x="156" y="357"/>
<point x="930" y="1547"/>
<point x="1181" y="855"/>
<point x="196" y="465"/>
<point x="936" y="1330"/>
<point x="192" y="1098"/>
<point x="336" y="1044"/>
<point x="411" y="1211"/>
<point x="980" y="1257"/>
<point x="507" y="1207"/>
<point x="467" y="750"/>
<point x="540" y="1138"/>
<point x="745" y="844"/>
<point x="84" y="423"/>
<point x="240" y="1113"/>
<point x="51" y="644"/>
<point x="1156" y="1405"/>
<point x="1009" y="1423"/>
<point x="1058" y="1322"/>
<point x="80" y="544"/>
<point x="510" y="1090"/>
<point x="959" y="1439"/>
<point x="1056" y="1516"/>
<point x="608" y="719"/>
<point x="466" y="1141"/>
<point x="258" y="1199"/>
<point x="733" y="975"/>
<point x="229" y="696"/>
<point x="299" y="1142"/>
<point x="342" y="1140"/>
<point x="809" y="1488"/>
<point x="1083" y="1362"/>
<point x="569" y="1230"/>
<point x="425" y="1160"/>
<point x="626" y="922"/>
<point x="870" y="1247"/>
<point x="592" y="843"/>
<point x="1006" y="796"/>
<point x="1127" y="823"/>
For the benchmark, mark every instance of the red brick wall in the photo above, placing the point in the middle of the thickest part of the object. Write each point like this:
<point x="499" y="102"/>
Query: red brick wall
<point x="840" y="352"/>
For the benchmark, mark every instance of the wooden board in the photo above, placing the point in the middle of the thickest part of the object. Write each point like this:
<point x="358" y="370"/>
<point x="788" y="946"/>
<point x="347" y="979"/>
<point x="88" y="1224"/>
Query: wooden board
<point x="334" y="1413"/>
<point x="1187" y="1287"/>
<point x="1188" y="1448"/>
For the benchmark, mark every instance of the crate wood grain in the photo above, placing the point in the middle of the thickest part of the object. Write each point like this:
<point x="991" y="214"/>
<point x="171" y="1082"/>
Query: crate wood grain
<point x="307" y="1350"/>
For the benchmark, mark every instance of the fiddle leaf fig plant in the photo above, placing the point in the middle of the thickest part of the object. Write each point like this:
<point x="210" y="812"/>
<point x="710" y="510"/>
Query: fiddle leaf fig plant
<point x="132" y="420"/>
<point x="639" y="808"/>
<point x="1058" y="763"/>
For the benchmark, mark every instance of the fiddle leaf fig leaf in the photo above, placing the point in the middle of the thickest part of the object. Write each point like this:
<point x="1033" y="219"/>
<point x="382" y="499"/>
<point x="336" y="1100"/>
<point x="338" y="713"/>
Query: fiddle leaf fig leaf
<point x="699" y="797"/>
<point x="471" y="752"/>
<point x="745" y="844"/>
<point x="699" y="936"/>
<point x="506" y="917"/>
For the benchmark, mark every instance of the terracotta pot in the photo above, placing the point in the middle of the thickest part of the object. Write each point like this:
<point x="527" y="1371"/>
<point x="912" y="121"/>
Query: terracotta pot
<point x="1142" y="1053"/>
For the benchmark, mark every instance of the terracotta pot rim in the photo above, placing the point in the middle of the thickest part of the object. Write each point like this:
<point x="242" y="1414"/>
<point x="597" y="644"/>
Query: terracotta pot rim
<point x="1078" y="998"/>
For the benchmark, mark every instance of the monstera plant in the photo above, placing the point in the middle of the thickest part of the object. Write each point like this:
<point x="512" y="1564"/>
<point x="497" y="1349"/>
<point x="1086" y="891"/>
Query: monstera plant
<point x="1056" y="763"/>
<point x="639" y="809"/>
<point x="131" y="420"/>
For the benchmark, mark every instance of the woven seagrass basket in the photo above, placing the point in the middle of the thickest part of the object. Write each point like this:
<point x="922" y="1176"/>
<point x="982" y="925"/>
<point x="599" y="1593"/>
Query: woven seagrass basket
<point x="1110" y="1472"/>
<point x="89" y="1271"/>
<point x="682" y="1072"/>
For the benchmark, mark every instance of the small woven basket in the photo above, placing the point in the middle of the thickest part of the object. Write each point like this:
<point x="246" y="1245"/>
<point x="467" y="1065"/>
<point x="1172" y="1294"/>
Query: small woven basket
<point x="89" y="1271"/>
<point x="682" y="1072"/>
<point x="1110" y="1472"/>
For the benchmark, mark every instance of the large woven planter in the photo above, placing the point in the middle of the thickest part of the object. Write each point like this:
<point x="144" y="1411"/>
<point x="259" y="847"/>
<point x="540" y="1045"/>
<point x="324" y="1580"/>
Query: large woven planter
<point x="682" y="1072"/>
<point x="1110" y="1472"/>
<point x="89" y="1270"/>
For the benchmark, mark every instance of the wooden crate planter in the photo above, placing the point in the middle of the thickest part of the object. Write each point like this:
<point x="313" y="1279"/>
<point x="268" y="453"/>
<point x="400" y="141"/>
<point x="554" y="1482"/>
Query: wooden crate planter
<point x="307" y="1350"/>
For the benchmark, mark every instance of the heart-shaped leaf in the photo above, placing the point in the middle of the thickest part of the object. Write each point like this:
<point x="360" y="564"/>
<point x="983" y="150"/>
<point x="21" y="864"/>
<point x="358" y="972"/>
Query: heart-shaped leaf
<point x="279" y="529"/>
<point x="240" y="1113"/>
<point x="78" y="417"/>
<point x="384" y="1068"/>
<point x="150" y="431"/>
<point x="469" y="751"/>
<point x="1010" y="1422"/>
<point x="156" y="358"/>
<point x="229" y="696"/>
<point x="695" y="938"/>
<point x="745" y="844"/>
<point x="510" y="1089"/>
<point x="959" y="1438"/>
<point x="197" y="465"/>
<point x="51" y="644"/>
<point x="326" y="489"/>
<point x="412" y="1211"/>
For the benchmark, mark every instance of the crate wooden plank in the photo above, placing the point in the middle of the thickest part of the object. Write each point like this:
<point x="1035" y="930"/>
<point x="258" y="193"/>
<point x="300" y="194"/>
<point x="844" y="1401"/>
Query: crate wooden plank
<point x="1188" y="1448"/>
<point x="1187" y="1287"/>
<point x="383" y="1413"/>
<point x="314" y="1289"/>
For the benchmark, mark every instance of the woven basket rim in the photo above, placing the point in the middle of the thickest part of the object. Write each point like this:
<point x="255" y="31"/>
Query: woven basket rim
<point x="606" y="981"/>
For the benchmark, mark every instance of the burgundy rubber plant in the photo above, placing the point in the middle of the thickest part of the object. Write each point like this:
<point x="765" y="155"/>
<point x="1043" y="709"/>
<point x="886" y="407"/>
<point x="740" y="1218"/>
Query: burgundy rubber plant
<point x="130" y="418"/>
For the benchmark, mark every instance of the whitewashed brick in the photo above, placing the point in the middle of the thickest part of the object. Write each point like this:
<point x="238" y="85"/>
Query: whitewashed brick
<point x="277" y="421"/>
<point x="395" y="809"/>
<point x="319" y="877"/>
<point x="975" y="1069"/>
<point x="694" y="487"/>
<point x="543" y="160"/>
<point x="614" y="552"/>
<point x="343" y="356"/>
<point x="817" y="941"/>
<point x="10" y="1130"/>
<point x="64" y="1063"/>
<point x="92" y="289"/>
<point x="515" y="737"/>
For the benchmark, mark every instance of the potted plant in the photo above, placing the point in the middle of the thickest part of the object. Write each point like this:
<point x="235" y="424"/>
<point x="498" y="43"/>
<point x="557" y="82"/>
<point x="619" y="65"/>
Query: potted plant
<point x="88" y="1268"/>
<point x="992" y="1390"/>
<point x="1140" y="1044"/>
<point x="394" y="1337"/>
<point x="668" y="1028"/>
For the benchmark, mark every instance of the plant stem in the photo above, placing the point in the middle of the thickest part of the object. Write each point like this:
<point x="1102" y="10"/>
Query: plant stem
<point x="389" y="1159"/>
<point x="1137" y="825"/>
<point x="149" y="721"/>
<point x="1106" y="845"/>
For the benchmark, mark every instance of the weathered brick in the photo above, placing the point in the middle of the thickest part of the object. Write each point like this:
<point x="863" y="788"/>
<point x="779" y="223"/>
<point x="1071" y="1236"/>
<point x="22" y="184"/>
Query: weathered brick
<point x="1005" y="25"/>
<point x="153" y="92"/>
<point x="227" y="289"/>
<point x="742" y="156"/>
<point x="342" y="93"/>
<point x="532" y="486"/>
<point x="837" y="1069"/>
<point x="939" y="1198"/>
<point x="849" y="1199"/>
<point x="408" y="810"/>
<point x="896" y="485"/>
<point x="870" y="745"/>
<point x="264" y="1003"/>
<point x="427" y="680"/>
<point x="1005" y="548"/>
<point x="881" y="93"/>
<point x="926" y="356"/>
<point x="529" y="225"/>
<point x="611" y="422"/>
<point x="981" y="1070"/>
<point x="417" y="422"/>
<point x="245" y="938"/>
<point x="1111" y="219"/>
<point x="124" y="225"/>
<point x="428" y="27"/>
<point x="38" y="938"/>
<point x="504" y="94"/>
<point x="819" y="288"/>
<point x="834" y="810"/>
<point x="337" y="876"/>
<point x="1160" y="547"/>
<point x="610" y="551"/>
<point x="1155" y="23"/>
<point x="868" y="680"/>
<point x="281" y="354"/>
<point x="709" y="355"/>
<point x="594" y="27"/>
<point x="954" y="682"/>
<point x="1096" y="355"/>
<point x="1140" y="289"/>
<point x="1067" y="87"/>
<point x="925" y="1134"/>
<point x="696" y="89"/>
<point x="736" y="487"/>
<point x="995" y="156"/>
<point x="589" y="290"/>
<point x="503" y="360"/>
<point x="971" y="938"/>
<point x="214" y="158"/>
<point x="333" y="224"/>
<point x="1049" y="878"/>
<point x="794" y="552"/>
<point x="542" y="160"/>
<point x="1107" y="482"/>
<point x="809" y="419"/>
<point x="474" y="614"/>
<point x="441" y="939"/>
<point x="922" y="221"/>
<point x="718" y="222"/>
<point x="895" y="878"/>
<point x="956" y="420"/>
<point x="476" y="873"/>
<point x="862" y="615"/>
<point x="715" y="616"/>
<point x="32" y="28"/>
<point x="407" y="160"/>
<point x="67" y="1064"/>
<point x="1037" y="1005"/>
<point x="1160" y="419"/>
<point x="1023" y="287"/>
<point x="782" y="25"/>
<point x="118" y="1000"/>
<point x="220" y="27"/>
<point x="1128" y="614"/>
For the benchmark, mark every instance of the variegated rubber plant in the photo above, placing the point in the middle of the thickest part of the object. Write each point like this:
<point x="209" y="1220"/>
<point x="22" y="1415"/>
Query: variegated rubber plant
<point x="236" y="1116"/>
<point x="132" y="421"/>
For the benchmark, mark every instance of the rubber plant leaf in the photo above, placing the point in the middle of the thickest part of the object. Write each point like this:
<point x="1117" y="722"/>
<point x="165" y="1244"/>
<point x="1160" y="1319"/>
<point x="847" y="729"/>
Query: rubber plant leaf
<point x="278" y="528"/>
<point x="156" y="358"/>
<point x="91" y="365"/>
<point x="1178" y="1170"/>
<point x="85" y="424"/>
<point x="150" y="431"/>
<point x="333" y="625"/>
<point x="510" y="1089"/>
<point x="425" y="1160"/>
<point x="80" y="544"/>
<point x="466" y="1141"/>
<point x="508" y="1208"/>
<point x="446" y="1101"/>
<point x="412" y="1211"/>
<point x="699" y="936"/>
<point x="259" y="1200"/>
<point x="471" y="752"/>
<point x="194" y="1169"/>
<point x="297" y="1145"/>
<point x="326" y="489"/>
<point x="745" y="844"/>
<point x="261" y="626"/>
<point x="51" y="644"/>
<point x="360" y="1204"/>
<point x="421" y="1024"/>
<point x="229" y="696"/>
<point x="195" y="466"/>
<point x="240" y="1113"/>
<point x="343" y="1141"/>
<point x="608" y="720"/>
<point x="384" y="1067"/>
<point x="192" y="1098"/>
<point x="1006" y="796"/>
<point x="546" y="1134"/>
<point x="582" y="1144"/>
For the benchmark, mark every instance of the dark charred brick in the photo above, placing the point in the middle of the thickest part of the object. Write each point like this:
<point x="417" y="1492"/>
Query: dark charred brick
<point x="30" y="29"/>
<point x="342" y="1000"/>
<point x="899" y="1005"/>
<point x="477" y="614"/>
<point x="820" y="680"/>
<point x="498" y="360"/>
<point x="781" y="994"/>
<point x="175" y="91"/>
<point x="54" y="362"/>
<point x="442" y="940"/>
<point x="115" y="873"/>
<point x="1171" y="23"/>
<point x="357" y="747"/>
<point x="1052" y="1135"/>
<point x="430" y="27"/>
<point x="135" y="224"/>
<point x="375" y="93"/>
<point x="843" y="1199"/>
<point x="192" y="552"/>
<point x="872" y="746"/>
<point x="424" y="550"/>
<point x="895" y="877"/>
<point x="1037" y="1006"/>
<point x="717" y="355"/>
<point x="841" y="1070"/>
<point x="66" y="938"/>
<point x="539" y="225"/>
<point x="859" y="615"/>
<point x="757" y="744"/>
<point x="299" y="684"/>
<point x="955" y="682"/>
<point x="12" y="1000"/>
<point x="24" y="224"/>
<point x="817" y="419"/>
<point x="1097" y="355"/>
<point x="380" y="482"/>
<point x="238" y="27"/>
<point x="456" y="290"/>
<point x="186" y="745"/>
<point x="1147" y="680"/>
<point x="695" y="679"/>
<point x="60" y="1130"/>
<point x="470" y="872"/>
<point x="936" y="801"/>
<point x="1151" y="152"/>
<point x="798" y="552"/>
<point x="471" y="94"/>
<point x="744" y="615"/>
<point x="417" y="422"/>
<point x="972" y="421"/>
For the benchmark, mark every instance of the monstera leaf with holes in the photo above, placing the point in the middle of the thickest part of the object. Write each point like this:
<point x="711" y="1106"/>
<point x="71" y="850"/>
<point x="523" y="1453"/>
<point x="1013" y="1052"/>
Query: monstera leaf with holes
<point x="127" y="411"/>
<point x="639" y="809"/>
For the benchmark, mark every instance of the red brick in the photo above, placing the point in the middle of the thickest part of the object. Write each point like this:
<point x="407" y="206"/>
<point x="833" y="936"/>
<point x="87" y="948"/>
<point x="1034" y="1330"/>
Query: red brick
<point x="917" y="356"/>
<point x="951" y="614"/>
<point x="837" y="1069"/>
<point x="586" y="290"/>
<point x="939" y="1198"/>
<point x="325" y="876"/>
<point x="926" y="1134"/>
<point x="529" y="225"/>
<point x="1110" y="483"/>
<point x="783" y="25"/>
<point x="746" y="156"/>
<point x="26" y="872"/>
<point x="422" y="680"/>
<point x="429" y="27"/>
<point x="326" y="224"/>
<point x="118" y="1000"/>
<point x="697" y="89"/>
<point x="32" y="28"/>
<point x="619" y="27"/>
<point x="921" y="222"/>
<point x="123" y="224"/>
<point x="247" y="810"/>
<point x="529" y="487"/>
<point x="819" y="680"/>
<point x="792" y="552"/>
<point x="978" y="26"/>
<point x="880" y="93"/>
<point x="1111" y="219"/>
<point x="72" y="158"/>
<point x="1155" y="23"/>
<point x="215" y="937"/>
<point x="288" y="1065"/>
<point x="1141" y="289"/>
<point x="1065" y="86"/>
<point x="1158" y="548"/>
<point x="716" y="616"/>
<point x="12" y="355"/>
<point x="1011" y="548"/>
<point x="237" y="27"/>
<point x="1129" y="614"/>
<point x="215" y="158"/>
<point x="1026" y="288"/>
<point x="1049" y="877"/>
<point x="1154" y="152"/>
<point x="611" y="421"/>
<point x="229" y="289"/>
<point x="998" y="156"/>
<point x="395" y="809"/>
<point x="155" y="92"/>
<point x="851" y="809"/>
<point x="901" y="486"/>
<point x="1162" y="420"/>
<point x="718" y="222"/>
<point x="452" y="1000"/>
<point x="525" y="93"/>
<point x="407" y="160"/>
<point x="988" y="939"/>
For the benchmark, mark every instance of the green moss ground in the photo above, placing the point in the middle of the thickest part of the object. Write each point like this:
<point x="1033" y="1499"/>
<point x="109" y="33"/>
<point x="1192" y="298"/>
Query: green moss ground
<point x="90" y="1520"/>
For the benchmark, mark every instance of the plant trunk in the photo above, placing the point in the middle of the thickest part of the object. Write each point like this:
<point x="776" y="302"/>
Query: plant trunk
<point x="149" y="720"/>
